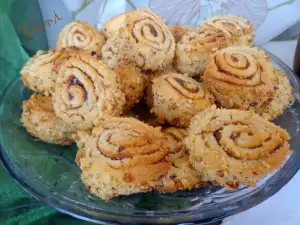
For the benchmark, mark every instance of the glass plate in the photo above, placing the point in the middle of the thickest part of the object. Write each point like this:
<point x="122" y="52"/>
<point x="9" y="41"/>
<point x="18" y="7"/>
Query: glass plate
<point x="50" y="173"/>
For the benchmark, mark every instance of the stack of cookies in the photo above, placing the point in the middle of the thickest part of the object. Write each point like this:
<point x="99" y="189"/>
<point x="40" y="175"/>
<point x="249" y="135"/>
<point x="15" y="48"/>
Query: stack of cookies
<point x="211" y="92"/>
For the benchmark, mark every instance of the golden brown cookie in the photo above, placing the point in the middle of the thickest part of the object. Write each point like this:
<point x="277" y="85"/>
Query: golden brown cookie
<point x="232" y="147"/>
<point x="280" y="99"/>
<point x="239" y="77"/>
<point x="122" y="156"/>
<point x="81" y="35"/>
<point x="181" y="175"/>
<point x="39" y="119"/>
<point x="133" y="82"/>
<point x="86" y="91"/>
<point x="176" y="98"/>
<point x="194" y="48"/>
<point x="40" y="72"/>
<point x="144" y="39"/>
<point x="238" y="29"/>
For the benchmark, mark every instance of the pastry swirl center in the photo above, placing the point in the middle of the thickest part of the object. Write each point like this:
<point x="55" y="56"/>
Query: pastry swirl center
<point x="186" y="88"/>
<point x="150" y="33"/>
<point x="125" y="143"/>
<point x="245" y="141"/>
<point x="238" y="68"/>
<point x="79" y="35"/>
<point x="77" y="93"/>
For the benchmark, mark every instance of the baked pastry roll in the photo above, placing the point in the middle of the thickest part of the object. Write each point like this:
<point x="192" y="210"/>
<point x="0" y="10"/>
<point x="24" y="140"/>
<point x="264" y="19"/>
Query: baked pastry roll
<point x="81" y="35"/>
<point x="181" y="175"/>
<point x="86" y="91"/>
<point x="39" y="119"/>
<point x="232" y="147"/>
<point x="122" y="156"/>
<point x="176" y="98"/>
<point x="194" y="48"/>
<point x="239" y="77"/>
<point x="238" y="29"/>
<point x="40" y="72"/>
<point x="280" y="99"/>
<point x="143" y="39"/>
<point x="133" y="83"/>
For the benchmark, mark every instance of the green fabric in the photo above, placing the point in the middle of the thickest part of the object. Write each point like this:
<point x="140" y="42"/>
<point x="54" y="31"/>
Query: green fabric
<point x="16" y="206"/>
<point x="13" y="197"/>
<point x="27" y="13"/>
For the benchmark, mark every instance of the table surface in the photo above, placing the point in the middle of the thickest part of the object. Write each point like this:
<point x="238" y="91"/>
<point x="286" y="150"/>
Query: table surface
<point x="283" y="208"/>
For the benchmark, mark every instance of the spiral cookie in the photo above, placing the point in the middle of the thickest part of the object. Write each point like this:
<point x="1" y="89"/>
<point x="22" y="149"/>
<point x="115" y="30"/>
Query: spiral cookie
<point x="122" y="156"/>
<point x="181" y="175"/>
<point x="176" y="98"/>
<point x="280" y="99"/>
<point x="81" y="35"/>
<point x="174" y="137"/>
<point x="144" y="39"/>
<point x="239" y="77"/>
<point x="40" y="72"/>
<point x="194" y="48"/>
<point x="238" y="29"/>
<point x="86" y="91"/>
<point x="40" y="121"/>
<point x="133" y="82"/>
<point x="233" y="147"/>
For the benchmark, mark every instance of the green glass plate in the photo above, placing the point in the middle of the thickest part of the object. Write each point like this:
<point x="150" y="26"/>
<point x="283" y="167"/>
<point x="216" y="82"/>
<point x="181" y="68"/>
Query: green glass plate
<point x="50" y="173"/>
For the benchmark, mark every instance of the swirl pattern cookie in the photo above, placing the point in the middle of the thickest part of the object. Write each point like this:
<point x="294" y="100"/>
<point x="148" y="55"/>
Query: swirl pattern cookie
<point x="144" y="39"/>
<point x="40" y="72"/>
<point x="86" y="91"/>
<point x="280" y="99"/>
<point x="81" y="35"/>
<point x="233" y="147"/>
<point x="176" y="98"/>
<point x="239" y="77"/>
<point x="39" y="119"/>
<point x="181" y="175"/>
<point x="123" y="156"/>
<point x="194" y="48"/>
<point x="238" y="29"/>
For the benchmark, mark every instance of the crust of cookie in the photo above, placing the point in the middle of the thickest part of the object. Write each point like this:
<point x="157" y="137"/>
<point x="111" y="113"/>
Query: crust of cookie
<point x="39" y="119"/>
<point x="176" y="98"/>
<point x="233" y="147"/>
<point x="122" y="156"/>
<point x="239" y="77"/>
